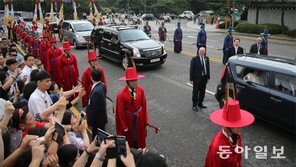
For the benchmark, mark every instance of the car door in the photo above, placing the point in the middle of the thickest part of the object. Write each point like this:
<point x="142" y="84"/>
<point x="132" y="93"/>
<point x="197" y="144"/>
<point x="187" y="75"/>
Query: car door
<point x="115" y="45"/>
<point x="106" y="44"/>
<point x="282" y="101"/>
<point x="253" y="96"/>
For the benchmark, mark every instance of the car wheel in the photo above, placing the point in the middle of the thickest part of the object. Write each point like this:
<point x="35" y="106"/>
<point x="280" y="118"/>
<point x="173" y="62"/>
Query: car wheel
<point x="124" y="62"/>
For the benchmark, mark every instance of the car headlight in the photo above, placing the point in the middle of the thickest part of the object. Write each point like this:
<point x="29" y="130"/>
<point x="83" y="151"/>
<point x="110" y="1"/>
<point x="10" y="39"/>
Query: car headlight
<point x="136" y="53"/>
<point x="164" y="50"/>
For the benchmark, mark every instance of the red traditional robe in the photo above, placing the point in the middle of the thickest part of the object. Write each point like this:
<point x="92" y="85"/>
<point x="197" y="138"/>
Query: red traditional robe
<point x="213" y="159"/>
<point x="132" y="115"/>
<point x="44" y="46"/>
<point x="52" y="56"/>
<point x="87" y="83"/>
<point x="68" y="71"/>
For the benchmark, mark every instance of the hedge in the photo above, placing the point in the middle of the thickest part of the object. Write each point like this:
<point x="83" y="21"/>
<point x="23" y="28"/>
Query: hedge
<point x="258" y="28"/>
<point x="291" y="33"/>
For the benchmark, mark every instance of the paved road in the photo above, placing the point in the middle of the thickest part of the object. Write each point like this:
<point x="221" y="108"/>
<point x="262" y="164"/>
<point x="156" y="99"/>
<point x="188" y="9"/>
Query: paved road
<point x="185" y="135"/>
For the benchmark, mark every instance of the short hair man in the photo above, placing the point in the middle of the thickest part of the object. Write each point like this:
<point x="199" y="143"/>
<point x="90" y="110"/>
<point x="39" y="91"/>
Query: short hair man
<point x="26" y="71"/>
<point x="97" y="116"/>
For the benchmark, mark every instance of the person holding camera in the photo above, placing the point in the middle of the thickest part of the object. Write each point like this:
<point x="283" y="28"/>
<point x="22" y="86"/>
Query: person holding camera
<point x="131" y="115"/>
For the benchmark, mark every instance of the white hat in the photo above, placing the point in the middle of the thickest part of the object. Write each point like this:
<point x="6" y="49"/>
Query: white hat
<point x="2" y="108"/>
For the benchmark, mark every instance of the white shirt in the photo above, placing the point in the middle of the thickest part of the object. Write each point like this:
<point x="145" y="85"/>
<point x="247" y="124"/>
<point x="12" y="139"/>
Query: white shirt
<point x="235" y="48"/>
<point x="202" y="58"/>
<point x="253" y="78"/>
<point x="26" y="71"/>
<point x="95" y="85"/>
<point x="39" y="101"/>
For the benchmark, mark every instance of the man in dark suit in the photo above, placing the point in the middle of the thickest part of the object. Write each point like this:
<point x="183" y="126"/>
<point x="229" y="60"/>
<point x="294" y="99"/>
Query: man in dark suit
<point x="235" y="49"/>
<point x="96" y="107"/>
<point x="257" y="48"/>
<point x="199" y="76"/>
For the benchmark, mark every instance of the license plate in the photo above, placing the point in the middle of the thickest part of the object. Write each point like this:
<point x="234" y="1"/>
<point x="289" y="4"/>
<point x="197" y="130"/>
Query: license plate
<point x="154" y="60"/>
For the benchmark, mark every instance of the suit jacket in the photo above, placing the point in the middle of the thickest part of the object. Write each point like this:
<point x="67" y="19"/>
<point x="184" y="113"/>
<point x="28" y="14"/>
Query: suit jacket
<point x="196" y="69"/>
<point x="96" y="112"/>
<point x="254" y="49"/>
<point x="231" y="51"/>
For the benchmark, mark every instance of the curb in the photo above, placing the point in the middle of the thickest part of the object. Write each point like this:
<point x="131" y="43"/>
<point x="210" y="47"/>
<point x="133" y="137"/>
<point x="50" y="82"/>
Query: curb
<point x="222" y="31"/>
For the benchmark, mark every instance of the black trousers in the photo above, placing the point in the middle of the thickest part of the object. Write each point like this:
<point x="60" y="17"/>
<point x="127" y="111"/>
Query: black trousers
<point x="199" y="90"/>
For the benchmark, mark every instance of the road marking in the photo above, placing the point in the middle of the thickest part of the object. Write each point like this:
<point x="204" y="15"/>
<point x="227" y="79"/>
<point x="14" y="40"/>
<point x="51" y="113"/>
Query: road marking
<point x="209" y="92"/>
<point x="191" y="54"/>
<point x="191" y="36"/>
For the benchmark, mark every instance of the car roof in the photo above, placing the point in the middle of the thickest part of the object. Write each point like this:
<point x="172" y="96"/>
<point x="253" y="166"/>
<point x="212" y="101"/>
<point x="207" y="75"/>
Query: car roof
<point x="269" y="63"/>
<point x="118" y="27"/>
<point x="76" y="21"/>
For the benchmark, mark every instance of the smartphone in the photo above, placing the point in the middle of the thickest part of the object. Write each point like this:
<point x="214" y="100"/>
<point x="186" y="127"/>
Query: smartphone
<point x="112" y="152"/>
<point x="121" y="145"/>
<point x="59" y="133"/>
<point x="101" y="136"/>
<point x="81" y="118"/>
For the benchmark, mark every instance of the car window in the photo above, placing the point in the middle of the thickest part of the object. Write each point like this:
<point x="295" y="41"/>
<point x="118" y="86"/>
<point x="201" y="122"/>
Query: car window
<point x="283" y="83"/>
<point x="114" y="35"/>
<point x="256" y="76"/>
<point x="65" y="25"/>
<point x="107" y="35"/>
<point x="80" y="27"/>
<point x="132" y="35"/>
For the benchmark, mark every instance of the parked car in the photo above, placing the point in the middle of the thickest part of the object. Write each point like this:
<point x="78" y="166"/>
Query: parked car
<point x="264" y="86"/>
<point x="186" y="15"/>
<point x="77" y="31"/>
<point x="205" y="13"/>
<point x="112" y="42"/>
<point x="147" y="16"/>
<point x="172" y="16"/>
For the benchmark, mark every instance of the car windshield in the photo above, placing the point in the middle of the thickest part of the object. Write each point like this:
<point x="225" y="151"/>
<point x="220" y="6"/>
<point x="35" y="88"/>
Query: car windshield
<point x="80" y="27"/>
<point x="132" y="35"/>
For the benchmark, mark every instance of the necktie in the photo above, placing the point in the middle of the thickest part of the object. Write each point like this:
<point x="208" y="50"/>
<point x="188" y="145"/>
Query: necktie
<point x="203" y="66"/>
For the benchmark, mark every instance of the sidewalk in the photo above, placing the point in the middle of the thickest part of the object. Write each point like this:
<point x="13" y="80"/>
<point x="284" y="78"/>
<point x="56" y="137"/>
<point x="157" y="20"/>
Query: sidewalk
<point x="212" y="28"/>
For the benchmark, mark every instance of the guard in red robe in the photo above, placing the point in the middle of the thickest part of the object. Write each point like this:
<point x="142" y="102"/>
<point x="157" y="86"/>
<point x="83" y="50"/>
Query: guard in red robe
<point x="44" y="46"/>
<point x="52" y="56"/>
<point x="224" y="149"/>
<point x="131" y="110"/>
<point x="67" y="67"/>
<point x="86" y="77"/>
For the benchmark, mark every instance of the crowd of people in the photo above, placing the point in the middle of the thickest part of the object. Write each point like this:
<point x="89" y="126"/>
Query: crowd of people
<point x="39" y="88"/>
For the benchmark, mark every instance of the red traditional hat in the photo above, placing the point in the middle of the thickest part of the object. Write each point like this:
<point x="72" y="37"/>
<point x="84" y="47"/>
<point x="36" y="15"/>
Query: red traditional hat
<point x="233" y="117"/>
<point x="131" y="74"/>
<point x="66" y="46"/>
<point x="45" y="35"/>
<point x="53" y="40"/>
<point x="92" y="56"/>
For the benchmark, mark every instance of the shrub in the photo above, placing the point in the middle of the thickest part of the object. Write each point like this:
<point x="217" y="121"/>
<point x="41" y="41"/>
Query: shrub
<point x="258" y="28"/>
<point x="291" y="33"/>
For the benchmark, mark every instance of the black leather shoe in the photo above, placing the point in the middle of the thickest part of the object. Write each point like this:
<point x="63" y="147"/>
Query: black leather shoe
<point x="195" y="109"/>
<point x="201" y="106"/>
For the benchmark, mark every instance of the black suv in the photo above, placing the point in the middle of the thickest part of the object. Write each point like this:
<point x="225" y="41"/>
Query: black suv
<point x="265" y="86"/>
<point x="112" y="42"/>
